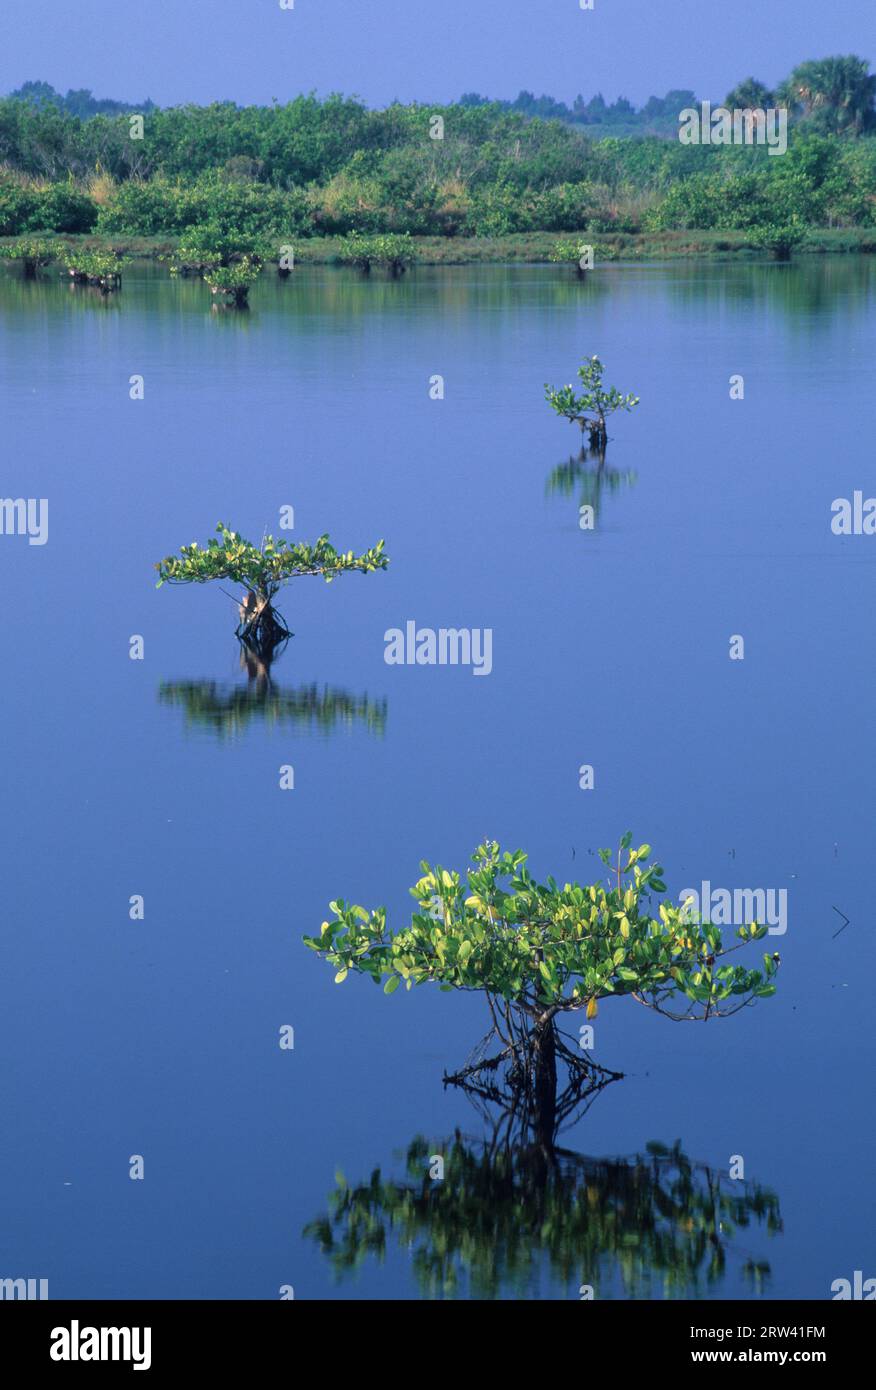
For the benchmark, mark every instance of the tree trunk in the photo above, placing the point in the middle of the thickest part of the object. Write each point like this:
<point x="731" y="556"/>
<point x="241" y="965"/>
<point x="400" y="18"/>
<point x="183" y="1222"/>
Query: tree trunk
<point x="257" y="619"/>
<point x="544" y="1081"/>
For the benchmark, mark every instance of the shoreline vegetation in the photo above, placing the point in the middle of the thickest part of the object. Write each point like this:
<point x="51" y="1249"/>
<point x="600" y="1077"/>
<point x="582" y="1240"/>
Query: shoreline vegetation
<point x="334" y="181"/>
<point x="530" y="248"/>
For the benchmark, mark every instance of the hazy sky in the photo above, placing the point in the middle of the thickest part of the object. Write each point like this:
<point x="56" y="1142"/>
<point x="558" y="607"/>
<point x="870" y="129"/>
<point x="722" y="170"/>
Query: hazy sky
<point x="429" y="50"/>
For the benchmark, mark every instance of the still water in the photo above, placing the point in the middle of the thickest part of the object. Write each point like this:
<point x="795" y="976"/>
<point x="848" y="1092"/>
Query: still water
<point x="306" y="1167"/>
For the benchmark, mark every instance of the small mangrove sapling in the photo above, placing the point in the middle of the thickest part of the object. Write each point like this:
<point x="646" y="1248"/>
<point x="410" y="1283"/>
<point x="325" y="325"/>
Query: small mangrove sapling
<point x="395" y="250"/>
<point x="262" y="571"/>
<point x="100" y="268"/>
<point x="569" y="253"/>
<point x="538" y="951"/>
<point x="232" y="283"/>
<point x="206" y="245"/>
<point x="592" y="407"/>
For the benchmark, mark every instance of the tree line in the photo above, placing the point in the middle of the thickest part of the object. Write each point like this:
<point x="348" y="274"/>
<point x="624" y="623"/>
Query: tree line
<point x="313" y="167"/>
<point x="832" y="95"/>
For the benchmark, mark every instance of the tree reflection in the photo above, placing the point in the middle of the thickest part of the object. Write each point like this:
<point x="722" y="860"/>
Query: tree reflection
<point x="587" y="470"/>
<point x="505" y="1217"/>
<point x="226" y="709"/>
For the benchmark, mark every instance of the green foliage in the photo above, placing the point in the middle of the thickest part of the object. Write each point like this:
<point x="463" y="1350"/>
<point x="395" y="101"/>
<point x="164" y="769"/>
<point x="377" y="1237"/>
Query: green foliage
<point x="779" y="239"/>
<point x="33" y="252"/>
<point x="61" y="207"/>
<point x="593" y="397"/>
<point x="211" y="244"/>
<point x="396" y="252"/>
<point x="657" y="1224"/>
<point x="155" y="207"/>
<point x="233" y="281"/>
<point x="565" y="253"/>
<point x="311" y="167"/>
<point x="263" y="569"/>
<point x="195" y="253"/>
<point x="17" y="207"/>
<point x="734" y="197"/>
<point x="80" y="102"/>
<point x="834" y="95"/>
<point x="228" y="711"/>
<point x="163" y="206"/>
<point x="93" y="267"/>
<point x="749" y="95"/>
<point x="544" y="948"/>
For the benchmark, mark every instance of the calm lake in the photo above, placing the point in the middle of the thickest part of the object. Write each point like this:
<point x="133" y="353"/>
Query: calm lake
<point x="611" y="648"/>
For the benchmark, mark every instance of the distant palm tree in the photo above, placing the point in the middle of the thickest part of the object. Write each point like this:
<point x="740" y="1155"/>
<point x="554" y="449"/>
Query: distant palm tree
<point x="837" y="94"/>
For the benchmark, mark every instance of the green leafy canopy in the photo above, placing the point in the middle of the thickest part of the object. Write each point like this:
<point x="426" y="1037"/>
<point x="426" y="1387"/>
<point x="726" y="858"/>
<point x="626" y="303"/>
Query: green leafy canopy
<point x="263" y="569"/>
<point x="543" y="948"/>
<point x="593" y="397"/>
<point x="233" y="279"/>
<point x="37" y="250"/>
<point x="93" y="265"/>
<point x="393" y="249"/>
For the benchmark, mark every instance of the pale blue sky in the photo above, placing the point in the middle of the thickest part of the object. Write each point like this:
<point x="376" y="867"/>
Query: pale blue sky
<point x="428" y="50"/>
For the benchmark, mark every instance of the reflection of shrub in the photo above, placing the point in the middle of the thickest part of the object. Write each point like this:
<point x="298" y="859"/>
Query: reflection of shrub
<point x="658" y="1224"/>
<point x="228" y="710"/>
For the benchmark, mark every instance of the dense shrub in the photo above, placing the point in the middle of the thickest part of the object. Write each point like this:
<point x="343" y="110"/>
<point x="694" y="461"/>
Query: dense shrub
<point x="18" y="207"/>
<point x="63" y="207"/>
<point x="161" y="207"/>
<point x="334" y="167"/>
<point x="151" y="208"/>
<point x="60" y="207"/>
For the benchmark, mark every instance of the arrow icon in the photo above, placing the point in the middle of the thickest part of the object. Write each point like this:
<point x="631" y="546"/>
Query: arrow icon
<point x="846" y="921"/>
